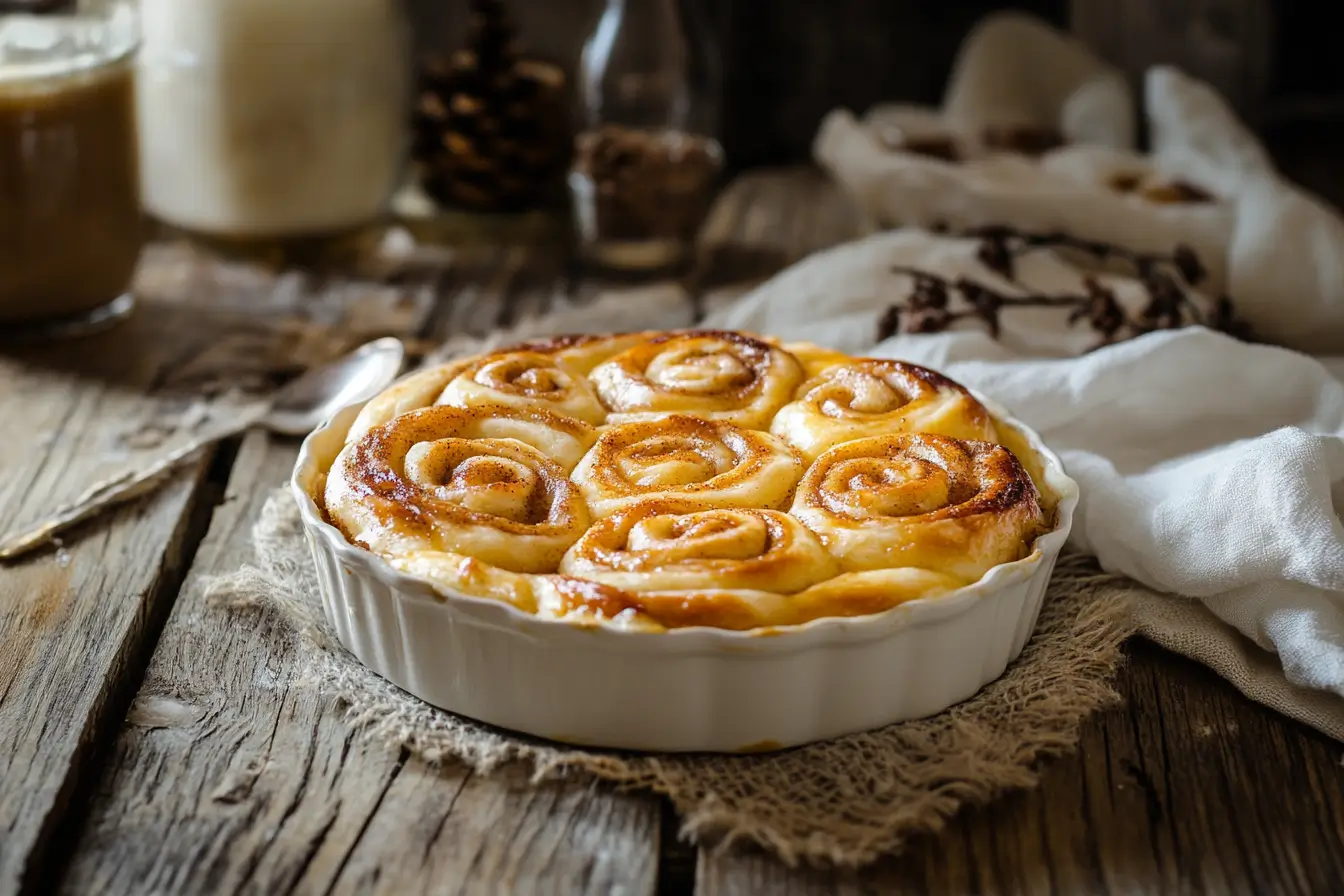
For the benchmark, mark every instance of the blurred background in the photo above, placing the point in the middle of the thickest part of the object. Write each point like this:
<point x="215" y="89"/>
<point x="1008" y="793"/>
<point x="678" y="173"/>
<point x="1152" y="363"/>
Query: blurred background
<point x="788" y="62"/>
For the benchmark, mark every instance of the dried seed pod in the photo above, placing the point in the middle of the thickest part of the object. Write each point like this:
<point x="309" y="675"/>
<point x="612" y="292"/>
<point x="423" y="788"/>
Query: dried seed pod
<point x="492" y="130"/>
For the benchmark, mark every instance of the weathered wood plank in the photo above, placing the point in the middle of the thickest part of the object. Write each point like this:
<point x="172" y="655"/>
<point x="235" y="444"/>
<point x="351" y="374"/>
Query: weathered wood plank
<point x="1188" y="788"/>
<point x="77" y="624"/>
<point x="224" y="776"/>
<point x="233" y="774"/>
<point x="73" y="627"/>
<point x="74" y="622"/>
<point x="762" y="222"/>
<point x="455" y="832"/>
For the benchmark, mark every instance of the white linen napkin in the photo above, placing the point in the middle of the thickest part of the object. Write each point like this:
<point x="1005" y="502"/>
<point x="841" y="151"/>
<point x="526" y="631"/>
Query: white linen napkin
<point x="1277" y="250"/>
<point x="1211" y="470"/>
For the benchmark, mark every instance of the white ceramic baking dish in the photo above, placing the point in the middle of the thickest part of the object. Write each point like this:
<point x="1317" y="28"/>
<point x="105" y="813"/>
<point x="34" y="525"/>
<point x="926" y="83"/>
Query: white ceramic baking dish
<point x="694" y="689"/>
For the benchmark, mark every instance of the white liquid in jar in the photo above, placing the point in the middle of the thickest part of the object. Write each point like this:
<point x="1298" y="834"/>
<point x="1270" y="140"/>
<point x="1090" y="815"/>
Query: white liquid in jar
<point x="270" y="118"/>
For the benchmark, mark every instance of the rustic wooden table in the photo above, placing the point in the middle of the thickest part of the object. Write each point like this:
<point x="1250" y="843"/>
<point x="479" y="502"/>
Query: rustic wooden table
<point x="151" y="744"/>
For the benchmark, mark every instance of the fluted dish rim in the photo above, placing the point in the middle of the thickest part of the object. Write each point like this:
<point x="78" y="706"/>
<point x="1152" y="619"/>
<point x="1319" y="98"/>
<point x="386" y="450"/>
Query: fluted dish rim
<point x="694" y="639"/>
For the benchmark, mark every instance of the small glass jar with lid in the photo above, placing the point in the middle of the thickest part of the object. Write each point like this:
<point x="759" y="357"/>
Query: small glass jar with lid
<point x="647" y="158"/>
<point x="273" y="124"/>
<point x="70" y="220"/>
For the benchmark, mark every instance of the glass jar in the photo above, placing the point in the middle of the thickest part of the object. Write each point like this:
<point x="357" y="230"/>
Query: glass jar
<point x="647" y="158"/>
<point x="273" y="120"/>
<point x="70" y="222"/>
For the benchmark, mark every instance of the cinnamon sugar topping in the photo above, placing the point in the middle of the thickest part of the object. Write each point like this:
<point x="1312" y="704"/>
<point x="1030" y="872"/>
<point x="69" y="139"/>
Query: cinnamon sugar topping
<point x="710" y="485"/>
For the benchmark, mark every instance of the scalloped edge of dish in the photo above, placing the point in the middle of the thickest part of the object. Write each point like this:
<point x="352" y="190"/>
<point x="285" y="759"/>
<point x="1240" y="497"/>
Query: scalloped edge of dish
<point x="690" y="689"/>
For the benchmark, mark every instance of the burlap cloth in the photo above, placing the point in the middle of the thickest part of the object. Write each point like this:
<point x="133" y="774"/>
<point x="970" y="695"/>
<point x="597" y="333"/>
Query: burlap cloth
<point x="845" y="802"/>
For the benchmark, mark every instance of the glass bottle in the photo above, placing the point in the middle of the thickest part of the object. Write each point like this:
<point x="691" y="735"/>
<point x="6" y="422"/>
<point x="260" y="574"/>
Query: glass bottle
<point x="269" y="125"/>
<point x="647" y="157"/>
<point x="71" y="228"/>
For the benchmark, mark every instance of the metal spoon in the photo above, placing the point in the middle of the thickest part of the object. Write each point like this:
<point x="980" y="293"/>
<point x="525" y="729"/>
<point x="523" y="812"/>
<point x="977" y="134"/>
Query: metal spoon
<point x="295" y="410"/>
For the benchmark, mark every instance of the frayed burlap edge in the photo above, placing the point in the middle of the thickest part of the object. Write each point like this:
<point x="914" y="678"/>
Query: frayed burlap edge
<point x="844" y="802"/>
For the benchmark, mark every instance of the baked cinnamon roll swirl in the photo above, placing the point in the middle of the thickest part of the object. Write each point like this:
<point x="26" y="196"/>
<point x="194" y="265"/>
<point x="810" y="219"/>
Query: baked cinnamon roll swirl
<point x="642" y="481"/>
<point x="682" y="457"/>
<point x="523" y="379"/>
<point x="678" y="566"/>
<point x="660" y="546"/>
<point x="488" y="483"/>
<point x="868" y="397"/>
<point x="929" y="501"/>
<point x="516" y="379"/>
<point x="714" y="374"/>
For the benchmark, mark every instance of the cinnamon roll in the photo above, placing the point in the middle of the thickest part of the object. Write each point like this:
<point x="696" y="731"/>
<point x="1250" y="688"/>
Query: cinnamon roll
<point x="653" y="481"/>
<point x="872" y="591"/>
<point x="518" y="379"/>
<point x="678" y="566"/>
<point x="929" y="501"/>
<point x="714" y="374"/>
<point x="453" y="573"/>
<point x="867" y="396"/>
<point x="681" y="457"/>
<point x="488" y="483"/>
<point x="418" y="390"/>
<point x="663" y="546"/>
<point x="524" y="379"/>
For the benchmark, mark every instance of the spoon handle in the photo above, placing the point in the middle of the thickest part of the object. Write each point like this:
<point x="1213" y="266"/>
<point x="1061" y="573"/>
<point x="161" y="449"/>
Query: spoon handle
<point x="119" y="489"/>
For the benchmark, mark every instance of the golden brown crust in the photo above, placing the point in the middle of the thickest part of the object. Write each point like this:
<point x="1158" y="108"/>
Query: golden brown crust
<point x="679" y="456"/>
<point x="565" y="597"/>
<point x="630" y="481"/>
<point x="660" y="546"/>
<point x="920" y="500"/>
<point x="867" y="396"/>
<point x="580" y="351"/>
<point x="815" y="358"/>
<point x="476" y="482"/>
<point x="716" y="374"/>
<point x="523" y="379"/>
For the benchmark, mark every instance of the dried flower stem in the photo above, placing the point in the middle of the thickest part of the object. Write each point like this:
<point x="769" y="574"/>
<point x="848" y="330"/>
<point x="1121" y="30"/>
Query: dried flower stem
<point x="1165" y="278"/>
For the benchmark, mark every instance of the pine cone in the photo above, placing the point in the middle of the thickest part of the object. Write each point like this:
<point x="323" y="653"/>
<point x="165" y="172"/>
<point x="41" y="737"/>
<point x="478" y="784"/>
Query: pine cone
<point x="492" y="127"/>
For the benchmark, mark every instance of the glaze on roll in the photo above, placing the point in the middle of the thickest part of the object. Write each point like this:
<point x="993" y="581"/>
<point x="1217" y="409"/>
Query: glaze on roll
<point x="693" y="478"/>
<point x="713" y="374"/>
<point x="920" y="500"/>
<point x="680" y="456"/>
<point x="869" y="397"/>
<point x="489" y="483"/>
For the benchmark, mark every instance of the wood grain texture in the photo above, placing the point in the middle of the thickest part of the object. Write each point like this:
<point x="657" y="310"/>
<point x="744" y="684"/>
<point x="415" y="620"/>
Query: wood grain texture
<point x="235" y="773"/>
<point x="73" y="627"/>
<point x="77" y="623"/>
<point x="1187" y="789"/>
<point x="440" y="831"/>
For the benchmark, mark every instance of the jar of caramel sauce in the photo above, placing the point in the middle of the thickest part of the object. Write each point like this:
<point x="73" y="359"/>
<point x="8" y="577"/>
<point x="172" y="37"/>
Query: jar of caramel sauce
<point x="71" y="227"/>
